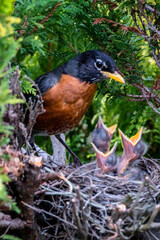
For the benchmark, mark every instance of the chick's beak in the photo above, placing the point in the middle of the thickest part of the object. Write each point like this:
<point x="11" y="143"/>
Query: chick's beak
<point x="116" y="76"/>
<point x="109" y="130"/>
<point x="102" y="159"/>
<point x="133" y="148"/>
<point x="137" y="137"/>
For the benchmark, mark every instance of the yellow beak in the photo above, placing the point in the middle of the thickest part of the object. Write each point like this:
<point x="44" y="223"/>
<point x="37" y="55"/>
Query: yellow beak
<point x="116" y="76"/>
<point x="134" y="139"/>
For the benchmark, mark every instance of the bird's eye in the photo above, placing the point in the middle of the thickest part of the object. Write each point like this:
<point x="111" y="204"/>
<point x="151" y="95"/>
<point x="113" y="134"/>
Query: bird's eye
<point x="99" y="63"/>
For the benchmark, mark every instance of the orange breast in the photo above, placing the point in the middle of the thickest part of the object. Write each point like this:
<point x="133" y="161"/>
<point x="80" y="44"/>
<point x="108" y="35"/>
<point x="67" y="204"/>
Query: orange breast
<point x="65" y="104"/>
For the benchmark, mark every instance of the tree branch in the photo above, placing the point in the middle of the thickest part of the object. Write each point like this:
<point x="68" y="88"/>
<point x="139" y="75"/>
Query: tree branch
<point x="13" y="224"/>
<point x="47" y="17"/>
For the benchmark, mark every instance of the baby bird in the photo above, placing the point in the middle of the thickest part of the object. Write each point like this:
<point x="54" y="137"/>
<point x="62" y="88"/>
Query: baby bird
<point x="101" y="136"/>
<point x="133" y="148"/>
<point x="134" y="174"/>
<point x="107" y="162"/>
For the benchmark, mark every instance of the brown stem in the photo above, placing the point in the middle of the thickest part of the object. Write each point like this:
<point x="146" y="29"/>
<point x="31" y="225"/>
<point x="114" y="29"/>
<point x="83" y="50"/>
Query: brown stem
<point x="78" y="222"/>
<point x="47" y="17"/>
<point x="13" y="224"/>
<point x="49" y="177"/>
<point x="74" y="50"/>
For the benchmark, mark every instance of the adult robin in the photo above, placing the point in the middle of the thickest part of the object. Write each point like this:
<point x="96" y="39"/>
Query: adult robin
<point x="68" y="90"/>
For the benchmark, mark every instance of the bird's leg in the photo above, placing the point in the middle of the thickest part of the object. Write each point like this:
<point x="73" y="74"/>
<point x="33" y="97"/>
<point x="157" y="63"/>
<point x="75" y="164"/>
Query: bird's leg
<point x="59" y="151"/>
<point x="75" y="158"/>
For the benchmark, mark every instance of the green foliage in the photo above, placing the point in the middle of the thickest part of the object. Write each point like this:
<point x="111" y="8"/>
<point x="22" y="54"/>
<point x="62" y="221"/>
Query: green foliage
<point x="8" y="49"/>
<point x="8" y="46"/>
<point x="4" y="199"/>
<point x="6" y="7"/>
<point x="5" y="131"/>
<point x="5" y="98"/>
<point x="28" y="87"/>
<point x="9" y="237"/>
<point x="15" y="208"/>
<point x="3" y="192"/>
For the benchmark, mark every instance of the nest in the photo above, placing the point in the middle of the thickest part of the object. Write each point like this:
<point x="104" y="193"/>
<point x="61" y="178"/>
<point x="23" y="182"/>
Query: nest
<point x="83" y="205"/>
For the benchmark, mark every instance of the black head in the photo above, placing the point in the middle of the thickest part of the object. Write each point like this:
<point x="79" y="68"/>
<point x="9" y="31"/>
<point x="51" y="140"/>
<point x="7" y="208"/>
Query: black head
<point x="92" y="66"/>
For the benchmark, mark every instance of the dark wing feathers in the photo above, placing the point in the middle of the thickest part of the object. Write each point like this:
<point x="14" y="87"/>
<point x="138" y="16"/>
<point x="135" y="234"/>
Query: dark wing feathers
<point x="48" y="80"/>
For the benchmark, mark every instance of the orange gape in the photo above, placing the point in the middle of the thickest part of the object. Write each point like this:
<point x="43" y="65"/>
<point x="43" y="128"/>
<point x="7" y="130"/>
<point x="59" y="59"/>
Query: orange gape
<point x="65" y="104"/>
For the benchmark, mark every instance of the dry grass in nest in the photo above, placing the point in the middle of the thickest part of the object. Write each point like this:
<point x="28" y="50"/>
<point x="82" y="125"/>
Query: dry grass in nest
<point x="85" y="206"/>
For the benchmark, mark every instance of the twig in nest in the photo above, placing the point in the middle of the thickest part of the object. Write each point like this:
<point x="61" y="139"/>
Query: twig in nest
<point x="93" y="198"/>
<point x="138" y="195"/>
<point x="77" y="219"/>
<point x="13" y="224"/>
<point x="65" y="225"/>
<point x="152" y="217"/>
<point x="113" y="236"/>
<point x="45" y="177"/>
<point x="48" y="213"/>
<point x="68" y="182"/>
<point x="84" y="217"/>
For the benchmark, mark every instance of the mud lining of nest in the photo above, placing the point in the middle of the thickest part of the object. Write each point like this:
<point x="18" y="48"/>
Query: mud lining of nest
<point x="84" y="206"/>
